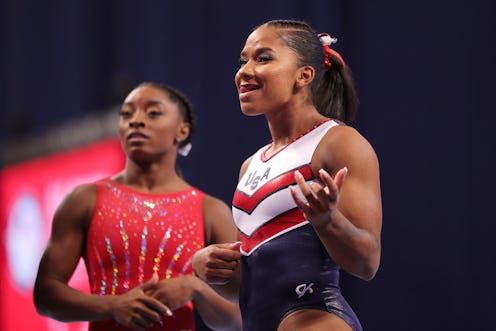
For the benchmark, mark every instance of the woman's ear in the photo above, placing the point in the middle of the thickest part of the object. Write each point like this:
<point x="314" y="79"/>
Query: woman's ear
<point x="183" y="131"/>
<point x="305" y="76"/>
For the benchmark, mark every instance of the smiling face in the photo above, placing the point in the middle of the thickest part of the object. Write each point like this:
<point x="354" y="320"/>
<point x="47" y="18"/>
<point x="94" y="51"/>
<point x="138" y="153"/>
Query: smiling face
<point x="150" y="123"/>
<point x="268" y="72"/>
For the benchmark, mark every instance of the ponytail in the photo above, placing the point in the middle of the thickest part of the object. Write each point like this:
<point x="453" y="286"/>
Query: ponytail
<point x="336" y="96"/>
<point x="333" y="89"/>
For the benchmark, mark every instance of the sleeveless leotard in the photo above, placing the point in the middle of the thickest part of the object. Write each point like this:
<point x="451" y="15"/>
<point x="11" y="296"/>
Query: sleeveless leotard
<point x="134" y="234"/>
<point x="285" y="267"/>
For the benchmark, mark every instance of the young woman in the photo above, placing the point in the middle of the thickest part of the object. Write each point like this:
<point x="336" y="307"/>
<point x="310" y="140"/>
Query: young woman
<point x="137" y="232"/>
<point x="308" y="204"/>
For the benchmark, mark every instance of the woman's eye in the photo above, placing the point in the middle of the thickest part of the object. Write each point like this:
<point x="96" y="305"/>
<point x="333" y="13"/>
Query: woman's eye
<point x="154" y="113"/>
<point x="264" y="58"/>
<point x="125" y="113"/>
<point x="242" y="62"/>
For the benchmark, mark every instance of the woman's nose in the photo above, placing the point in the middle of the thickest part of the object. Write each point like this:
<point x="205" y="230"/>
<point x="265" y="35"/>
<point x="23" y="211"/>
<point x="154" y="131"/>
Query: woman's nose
<point x="244" y="73"/>
<point x="246" y="70"/>
<point x="137" y="119"/>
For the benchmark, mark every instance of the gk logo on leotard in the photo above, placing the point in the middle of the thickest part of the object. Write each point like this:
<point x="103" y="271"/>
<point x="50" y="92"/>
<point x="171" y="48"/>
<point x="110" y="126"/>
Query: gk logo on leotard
<point x="303" y="288"/>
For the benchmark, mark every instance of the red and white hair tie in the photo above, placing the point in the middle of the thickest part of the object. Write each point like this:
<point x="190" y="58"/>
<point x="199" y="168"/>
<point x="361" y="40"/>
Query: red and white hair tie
<point x="326" y="41"/>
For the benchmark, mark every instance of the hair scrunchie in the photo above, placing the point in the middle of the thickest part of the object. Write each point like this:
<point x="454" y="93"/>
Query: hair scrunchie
<point x="326" y="41"/>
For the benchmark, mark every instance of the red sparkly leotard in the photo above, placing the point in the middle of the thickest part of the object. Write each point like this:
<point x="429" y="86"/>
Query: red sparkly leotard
<point x="134" y="234"/>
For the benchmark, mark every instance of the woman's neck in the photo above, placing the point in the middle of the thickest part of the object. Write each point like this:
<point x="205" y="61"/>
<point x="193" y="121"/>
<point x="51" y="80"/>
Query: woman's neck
<point x="152" y="178"/>
<point x="288" y="126"/>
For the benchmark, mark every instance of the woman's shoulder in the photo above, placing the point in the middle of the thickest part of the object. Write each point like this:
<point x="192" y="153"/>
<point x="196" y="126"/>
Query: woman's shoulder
<point x="341" y="136"/>
<point x="77" y="206"/>
<point x="342" y="145"/>
<point x="211" y="202"/>
<point x="83" y="191"/>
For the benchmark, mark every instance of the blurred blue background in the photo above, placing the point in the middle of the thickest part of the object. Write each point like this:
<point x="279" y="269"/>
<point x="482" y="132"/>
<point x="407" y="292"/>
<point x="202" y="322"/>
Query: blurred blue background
<point x="425" y="75"/>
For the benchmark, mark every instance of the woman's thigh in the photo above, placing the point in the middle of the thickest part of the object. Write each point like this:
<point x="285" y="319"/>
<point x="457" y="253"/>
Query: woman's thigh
<point x="313" y="320"/>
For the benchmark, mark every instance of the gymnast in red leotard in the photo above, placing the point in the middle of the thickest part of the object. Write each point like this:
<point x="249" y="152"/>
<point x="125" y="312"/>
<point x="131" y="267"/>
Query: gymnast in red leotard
<point x="137" y="232"/>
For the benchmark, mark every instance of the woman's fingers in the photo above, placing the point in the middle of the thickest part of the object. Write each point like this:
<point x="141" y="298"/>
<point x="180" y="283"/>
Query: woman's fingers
<point x="305" y="189"/>
<point x="318" y="196"/>
<point x="336" y="182"/>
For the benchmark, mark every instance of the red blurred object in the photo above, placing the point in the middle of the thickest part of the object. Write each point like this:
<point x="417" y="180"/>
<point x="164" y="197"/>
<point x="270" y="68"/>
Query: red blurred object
<point x="29" y="194"/>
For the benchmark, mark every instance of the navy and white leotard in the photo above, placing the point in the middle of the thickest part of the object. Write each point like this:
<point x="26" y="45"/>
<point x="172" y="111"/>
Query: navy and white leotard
<point x="285" y="267"/>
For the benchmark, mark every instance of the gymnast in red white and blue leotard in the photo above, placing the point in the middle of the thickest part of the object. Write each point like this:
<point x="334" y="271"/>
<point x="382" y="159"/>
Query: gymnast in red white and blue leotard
<point x="285" y="267"/>
<point x="308" y="204"/>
